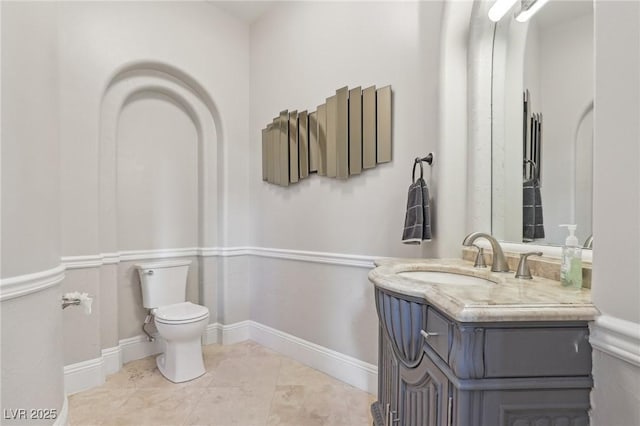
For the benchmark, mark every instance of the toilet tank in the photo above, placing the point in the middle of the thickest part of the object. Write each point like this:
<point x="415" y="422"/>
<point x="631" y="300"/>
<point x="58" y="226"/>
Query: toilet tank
<point x="164" y="282"/>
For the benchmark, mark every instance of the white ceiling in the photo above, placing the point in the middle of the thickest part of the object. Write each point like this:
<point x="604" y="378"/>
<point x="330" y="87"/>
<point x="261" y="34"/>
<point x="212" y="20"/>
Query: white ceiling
<point x="246" y="11"/>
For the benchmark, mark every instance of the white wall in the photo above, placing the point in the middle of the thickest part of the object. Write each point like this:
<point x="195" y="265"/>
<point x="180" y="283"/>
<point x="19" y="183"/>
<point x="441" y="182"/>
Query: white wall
<point x="301" y="52"/>
<point x="31" y="351"/>
<point x="30" y="183"/>
<point x="97" y="39"/>
<point x="158" y="176"/>
<point x="566" y="86"/>
<point x="616" y="284"/>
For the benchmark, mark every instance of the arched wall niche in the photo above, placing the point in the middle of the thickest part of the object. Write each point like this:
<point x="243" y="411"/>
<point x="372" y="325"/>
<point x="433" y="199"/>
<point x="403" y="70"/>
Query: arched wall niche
<point x="144" y="79"/>
<point x="158" y="175"/>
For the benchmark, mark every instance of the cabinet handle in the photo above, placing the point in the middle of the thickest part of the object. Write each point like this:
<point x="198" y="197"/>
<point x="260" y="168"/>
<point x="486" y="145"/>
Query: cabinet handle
<point x="389" y="416"/>
<point x="427" y="334"/>
<point x="386" y="414"/>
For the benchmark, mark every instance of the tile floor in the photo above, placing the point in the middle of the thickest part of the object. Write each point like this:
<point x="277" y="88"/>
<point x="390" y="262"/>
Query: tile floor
<point x="245" y="385"/>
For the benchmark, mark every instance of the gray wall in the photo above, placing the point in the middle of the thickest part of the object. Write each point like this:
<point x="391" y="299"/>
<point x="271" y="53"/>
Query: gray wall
<point x="157" y="175"/>
<point x="616" y="209"/>
<point x="301" y="52"/>
<point x="160" y="154"/>
<point x="31" y="350"/>
<point x="30" y="179"/>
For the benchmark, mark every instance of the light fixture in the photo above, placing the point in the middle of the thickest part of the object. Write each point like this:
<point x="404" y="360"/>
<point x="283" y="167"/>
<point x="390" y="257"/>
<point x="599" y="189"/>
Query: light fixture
<point x="500" y="8"/>
<point x="529" y="9"/>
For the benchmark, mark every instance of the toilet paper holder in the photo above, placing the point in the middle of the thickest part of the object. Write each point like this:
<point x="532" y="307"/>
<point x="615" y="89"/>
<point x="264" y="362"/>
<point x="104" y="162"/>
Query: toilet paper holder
<point x="77" y="299"/>
<point x="69" y="302"/>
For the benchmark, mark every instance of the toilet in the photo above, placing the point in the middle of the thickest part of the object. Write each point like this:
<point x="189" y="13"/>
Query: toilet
<point x="179" y="323"/>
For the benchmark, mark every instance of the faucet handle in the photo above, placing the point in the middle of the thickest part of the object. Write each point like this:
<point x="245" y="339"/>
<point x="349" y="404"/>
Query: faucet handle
<point x="479" y="263"/>
<point x="523" y="267"/>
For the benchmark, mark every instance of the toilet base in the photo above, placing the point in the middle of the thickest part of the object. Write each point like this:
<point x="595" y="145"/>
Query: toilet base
<point x="181" y="361"/>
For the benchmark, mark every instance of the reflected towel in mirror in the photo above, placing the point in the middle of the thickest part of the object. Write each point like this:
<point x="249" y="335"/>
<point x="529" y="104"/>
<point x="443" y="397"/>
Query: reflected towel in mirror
<point x="532" y="224"/>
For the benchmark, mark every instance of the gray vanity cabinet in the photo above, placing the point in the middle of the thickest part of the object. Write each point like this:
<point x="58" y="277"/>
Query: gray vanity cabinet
<point x="434" y="371"/>
<point x="412" y="389"/>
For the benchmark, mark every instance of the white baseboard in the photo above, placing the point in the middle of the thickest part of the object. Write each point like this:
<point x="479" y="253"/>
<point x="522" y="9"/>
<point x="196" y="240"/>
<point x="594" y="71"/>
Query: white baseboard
<point x="83" y="375"/>
<point x="350" y="370"/>
<point x="226" y="334"/>
<point x="139" y="347"/>
<point x="236" y="332"/>
<point x="616" y="337"/>
<point x="111" y="360"/>
<point x="63" y="414"/>
<point x="87" y="374"/>
<point x="212" y="334"/>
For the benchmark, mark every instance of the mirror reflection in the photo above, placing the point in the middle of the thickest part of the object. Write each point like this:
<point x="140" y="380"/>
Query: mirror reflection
<point x="542" y="124"/>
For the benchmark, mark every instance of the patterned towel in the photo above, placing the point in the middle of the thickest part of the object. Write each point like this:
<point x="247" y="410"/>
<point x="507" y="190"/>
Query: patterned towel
<point x="417" y="221"/>
<point x="532" y="225"/>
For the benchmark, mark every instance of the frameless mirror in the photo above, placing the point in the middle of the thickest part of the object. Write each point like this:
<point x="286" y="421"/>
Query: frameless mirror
<point x="542" y="124"/>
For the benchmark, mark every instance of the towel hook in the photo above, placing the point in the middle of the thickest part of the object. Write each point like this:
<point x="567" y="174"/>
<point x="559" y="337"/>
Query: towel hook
<point x="428" y="159"/>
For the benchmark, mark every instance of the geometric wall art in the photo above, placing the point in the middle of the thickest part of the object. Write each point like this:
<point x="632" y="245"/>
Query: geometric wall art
<point x="349" y="133"/>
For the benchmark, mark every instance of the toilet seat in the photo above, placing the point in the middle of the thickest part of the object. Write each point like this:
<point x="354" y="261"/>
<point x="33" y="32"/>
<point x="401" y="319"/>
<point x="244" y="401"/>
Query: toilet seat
<point x="181" y="313"/>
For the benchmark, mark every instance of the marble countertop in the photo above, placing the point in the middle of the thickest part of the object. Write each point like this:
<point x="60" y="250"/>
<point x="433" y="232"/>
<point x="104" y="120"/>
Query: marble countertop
<point x="504" y="299"/>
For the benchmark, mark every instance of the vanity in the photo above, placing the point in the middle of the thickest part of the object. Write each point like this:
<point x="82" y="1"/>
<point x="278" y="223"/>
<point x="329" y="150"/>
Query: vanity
<point x="465" y="346"/>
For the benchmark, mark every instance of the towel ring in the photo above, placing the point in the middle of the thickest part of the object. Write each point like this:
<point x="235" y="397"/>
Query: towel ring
<point x="428" y="159"/>
<point x="533" y="166"/>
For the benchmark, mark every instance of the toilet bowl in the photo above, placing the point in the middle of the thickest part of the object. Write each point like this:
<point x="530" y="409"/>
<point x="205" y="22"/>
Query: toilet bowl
<point x="179" y="323"/>
<point x="181" y="326"/>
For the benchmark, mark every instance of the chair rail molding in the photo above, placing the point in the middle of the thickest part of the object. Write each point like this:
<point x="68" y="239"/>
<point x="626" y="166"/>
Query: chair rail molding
<point x="22" y="285"/>
<point x="617" y="337"/>
<point x="340" y="259"/>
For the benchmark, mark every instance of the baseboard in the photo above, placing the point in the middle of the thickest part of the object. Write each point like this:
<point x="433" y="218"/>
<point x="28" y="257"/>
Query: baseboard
<point x="350" y="370"/>
<point x="63" y="414"/>
<point x="111" y="360"/>
<point x="226" y="334"/>
<point x="212" y="334"/>
<point x="83" y="375"/>
<point x="236" y="332"/>
<point x="616" y="337"/>
<point x="87" y="374"/>
<point x="139" y="347"/>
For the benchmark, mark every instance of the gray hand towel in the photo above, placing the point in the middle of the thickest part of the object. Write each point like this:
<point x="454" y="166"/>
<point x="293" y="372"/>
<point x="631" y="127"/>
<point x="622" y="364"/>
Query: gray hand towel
<point x="532" y="225"/>
<point x="417" y="221"/>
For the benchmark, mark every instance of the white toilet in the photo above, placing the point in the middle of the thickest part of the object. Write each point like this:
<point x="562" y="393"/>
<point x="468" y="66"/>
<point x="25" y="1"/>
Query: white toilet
<point x="179" y="323"/>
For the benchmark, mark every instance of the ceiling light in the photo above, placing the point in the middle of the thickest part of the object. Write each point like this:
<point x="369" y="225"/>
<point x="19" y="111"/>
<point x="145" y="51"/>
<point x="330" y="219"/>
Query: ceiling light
<point x="500" y="8"/>
<point x="525" y="14"/>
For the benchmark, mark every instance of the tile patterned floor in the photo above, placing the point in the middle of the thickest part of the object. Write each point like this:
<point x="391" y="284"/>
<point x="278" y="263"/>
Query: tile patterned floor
<point x="245" y="385"/>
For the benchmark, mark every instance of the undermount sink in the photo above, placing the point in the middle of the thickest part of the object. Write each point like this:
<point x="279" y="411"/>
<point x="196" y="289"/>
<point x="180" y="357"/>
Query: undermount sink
<point x="446" y="278"/>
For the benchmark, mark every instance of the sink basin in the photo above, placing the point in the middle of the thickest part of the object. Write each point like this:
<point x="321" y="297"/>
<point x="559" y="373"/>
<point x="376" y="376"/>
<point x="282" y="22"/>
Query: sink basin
<point x="445" y="278"/>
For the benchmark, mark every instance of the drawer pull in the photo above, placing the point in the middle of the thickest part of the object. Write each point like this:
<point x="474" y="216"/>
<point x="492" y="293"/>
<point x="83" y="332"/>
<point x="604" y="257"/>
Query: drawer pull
<point x="427" y="334"/>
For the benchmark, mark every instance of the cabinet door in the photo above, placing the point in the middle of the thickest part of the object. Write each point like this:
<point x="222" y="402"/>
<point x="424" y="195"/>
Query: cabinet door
<point x="387" y="382"/>
<point x="423" y="395"/>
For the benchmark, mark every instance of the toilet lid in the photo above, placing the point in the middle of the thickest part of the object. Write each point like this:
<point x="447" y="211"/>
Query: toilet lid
<point x="181" y="312"/>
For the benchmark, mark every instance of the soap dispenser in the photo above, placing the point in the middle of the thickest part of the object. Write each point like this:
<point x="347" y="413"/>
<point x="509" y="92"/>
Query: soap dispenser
<point x="571" y="267"/>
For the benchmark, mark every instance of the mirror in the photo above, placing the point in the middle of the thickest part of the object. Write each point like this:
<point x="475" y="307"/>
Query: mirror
<point x="542" y="124"/>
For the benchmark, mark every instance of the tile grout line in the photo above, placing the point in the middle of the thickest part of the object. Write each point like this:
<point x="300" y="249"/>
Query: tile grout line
<point x="273" y="396"/>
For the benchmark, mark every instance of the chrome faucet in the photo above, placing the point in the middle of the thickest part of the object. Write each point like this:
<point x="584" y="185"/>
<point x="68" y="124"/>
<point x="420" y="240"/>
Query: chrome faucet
<point x="499" y="263"/>
<point x="588" y="243"/>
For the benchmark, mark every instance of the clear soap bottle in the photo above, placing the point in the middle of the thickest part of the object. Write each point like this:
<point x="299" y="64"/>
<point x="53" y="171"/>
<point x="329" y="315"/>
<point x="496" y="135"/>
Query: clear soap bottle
<point x="571" y="267"/>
